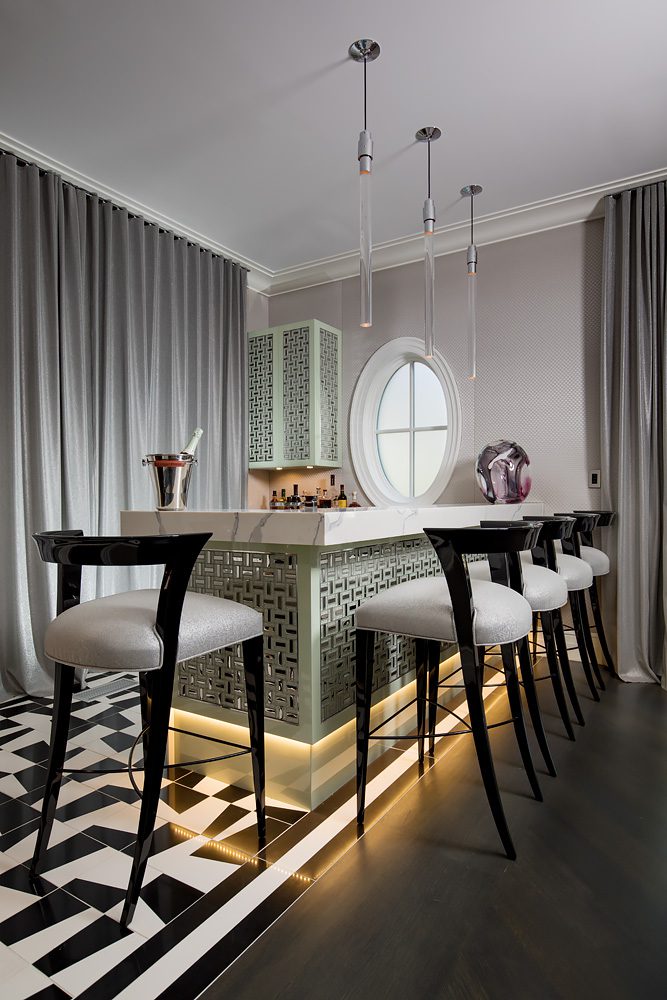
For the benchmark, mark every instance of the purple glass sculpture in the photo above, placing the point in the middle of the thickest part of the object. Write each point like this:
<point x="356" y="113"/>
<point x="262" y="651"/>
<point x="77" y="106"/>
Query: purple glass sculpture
<point x="502" y="472"/>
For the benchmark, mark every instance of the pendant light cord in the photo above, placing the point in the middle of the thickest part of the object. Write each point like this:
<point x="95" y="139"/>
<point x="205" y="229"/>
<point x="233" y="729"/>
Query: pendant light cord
<point x="429" y="168"/>
<point x="365" y="61"/>
<point x="472" y="239"/>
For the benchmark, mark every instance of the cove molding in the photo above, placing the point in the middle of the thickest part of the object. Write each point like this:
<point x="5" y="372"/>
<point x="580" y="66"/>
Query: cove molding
<point x="521" y="220"/>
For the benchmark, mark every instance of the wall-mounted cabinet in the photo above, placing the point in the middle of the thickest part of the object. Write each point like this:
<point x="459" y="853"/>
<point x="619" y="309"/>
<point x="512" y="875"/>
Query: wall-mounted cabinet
<point x="294" y="390"/>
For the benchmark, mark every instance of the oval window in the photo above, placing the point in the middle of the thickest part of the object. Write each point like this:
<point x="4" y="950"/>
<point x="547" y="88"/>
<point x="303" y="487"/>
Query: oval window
<point x="405" y="426"/>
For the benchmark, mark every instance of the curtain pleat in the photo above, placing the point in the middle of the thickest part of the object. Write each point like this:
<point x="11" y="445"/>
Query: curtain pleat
<point x="118" y="339"/>
<point x="633" y="433"/>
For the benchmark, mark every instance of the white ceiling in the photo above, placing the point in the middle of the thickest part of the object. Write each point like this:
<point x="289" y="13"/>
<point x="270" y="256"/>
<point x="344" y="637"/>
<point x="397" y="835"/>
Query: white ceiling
<point x="239" y="118"/>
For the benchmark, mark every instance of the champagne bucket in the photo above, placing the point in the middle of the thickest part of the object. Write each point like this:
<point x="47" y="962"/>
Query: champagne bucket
<point x="171" y="475"/>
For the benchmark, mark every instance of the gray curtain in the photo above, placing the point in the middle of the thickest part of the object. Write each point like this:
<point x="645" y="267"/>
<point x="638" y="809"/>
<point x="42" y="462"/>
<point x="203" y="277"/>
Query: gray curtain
<point x="117" y="339"/>
<point x="634" y="439"/>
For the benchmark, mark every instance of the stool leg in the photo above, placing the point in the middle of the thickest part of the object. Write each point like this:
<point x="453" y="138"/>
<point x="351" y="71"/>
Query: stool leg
<point x="530" y="691"/>
<point x="421" y="646"/>
<point x="160" y="685"/>
<point x="480" y="733"/>
<point x="588" y="638"/>
<point x="433" y="678"/>
<point x="145" y="704"/>
<point x="514" y="698"/>
<point x="597" y="617"/>
<point x="564" y="660"/>
<point x="554" y="672"/>
<point x="364" y="683"/>
<point x="253" y="665"/>
<point x="536" y="616"/>
<point x="62" y="707"/>
<point x="575" y="605"/>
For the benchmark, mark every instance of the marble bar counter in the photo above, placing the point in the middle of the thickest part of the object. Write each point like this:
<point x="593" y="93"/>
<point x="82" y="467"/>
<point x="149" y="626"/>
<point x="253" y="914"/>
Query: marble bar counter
<point x="307" y="573"/>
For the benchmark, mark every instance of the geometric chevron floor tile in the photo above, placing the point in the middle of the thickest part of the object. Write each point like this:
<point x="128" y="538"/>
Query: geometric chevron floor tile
<point x="209" y="891"/>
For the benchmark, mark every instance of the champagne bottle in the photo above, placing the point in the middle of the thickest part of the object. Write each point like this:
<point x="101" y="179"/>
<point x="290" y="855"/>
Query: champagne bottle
<point x="341" y="500"/>
<point x="191" y="446"/>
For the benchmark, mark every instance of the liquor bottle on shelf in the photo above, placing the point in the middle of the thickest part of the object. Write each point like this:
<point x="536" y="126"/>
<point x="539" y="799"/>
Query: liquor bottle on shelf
<point x="318" y="496"/>
<point x="341" y="500"/>
<point x="295" y="499"/>
<point x="326" y="502"/>
<point x="282" y="503"/>
<point x="354" y="502"/>
<point x="274" y="503"/>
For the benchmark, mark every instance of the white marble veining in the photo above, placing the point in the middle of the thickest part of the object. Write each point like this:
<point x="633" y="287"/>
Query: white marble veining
<point x="319" y="528"/>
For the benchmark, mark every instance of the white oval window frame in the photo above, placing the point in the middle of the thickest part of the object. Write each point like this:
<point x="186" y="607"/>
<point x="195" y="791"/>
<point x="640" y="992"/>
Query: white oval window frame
<point x="366" y="397"/>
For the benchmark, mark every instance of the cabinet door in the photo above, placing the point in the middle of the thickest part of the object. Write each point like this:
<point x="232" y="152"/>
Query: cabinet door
<point x="295" y="345"/>
<point x="328" y="410"/>
<point x="261" y="386"/>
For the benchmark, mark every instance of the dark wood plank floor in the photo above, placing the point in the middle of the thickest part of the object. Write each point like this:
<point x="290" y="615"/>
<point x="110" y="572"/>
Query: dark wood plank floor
<point x="424" y="905"/>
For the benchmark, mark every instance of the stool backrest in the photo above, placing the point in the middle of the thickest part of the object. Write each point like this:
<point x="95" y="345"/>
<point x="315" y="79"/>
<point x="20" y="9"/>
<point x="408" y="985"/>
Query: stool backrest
<point x="605" y="519"/>
<point x="583" y="531"/>
<point x="71" y="550"/>
<point x="498" y="543"/>
<point x="555" y="527"/>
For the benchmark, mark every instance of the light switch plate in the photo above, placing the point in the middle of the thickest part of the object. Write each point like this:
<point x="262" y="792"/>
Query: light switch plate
<point x="594" y="479"/>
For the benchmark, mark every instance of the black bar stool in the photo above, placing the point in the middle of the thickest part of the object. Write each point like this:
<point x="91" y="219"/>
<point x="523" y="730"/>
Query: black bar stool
<point x="147" y="631"/>
<point x="473" y="613"/>
<point x="572" y="548"/>
<point x="599" y="563"/>
<point x="546" y="592"/>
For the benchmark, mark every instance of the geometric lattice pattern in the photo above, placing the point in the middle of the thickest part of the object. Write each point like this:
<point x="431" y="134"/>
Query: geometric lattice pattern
<point x="266" y="581"/>
<point x="296" y="394"/>
<point x="260" y="398"/>
<point x="329" y="395"/>
<point x="349" y="577"/>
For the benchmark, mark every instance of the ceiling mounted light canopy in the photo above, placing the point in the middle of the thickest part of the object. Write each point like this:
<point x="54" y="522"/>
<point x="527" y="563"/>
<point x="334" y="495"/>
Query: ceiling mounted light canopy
<point x="365" y="50"/>
<point x="428" y="135"/>
<point x="469" y="191"/>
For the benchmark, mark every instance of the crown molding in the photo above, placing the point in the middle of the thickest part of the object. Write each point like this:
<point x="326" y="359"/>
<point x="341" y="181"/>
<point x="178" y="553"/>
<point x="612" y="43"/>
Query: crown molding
<point x="523" y="220"/>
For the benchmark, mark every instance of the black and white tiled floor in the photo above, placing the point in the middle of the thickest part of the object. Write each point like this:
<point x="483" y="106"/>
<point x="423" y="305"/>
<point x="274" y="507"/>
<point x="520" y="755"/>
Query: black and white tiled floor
<point x="209" y="891"/>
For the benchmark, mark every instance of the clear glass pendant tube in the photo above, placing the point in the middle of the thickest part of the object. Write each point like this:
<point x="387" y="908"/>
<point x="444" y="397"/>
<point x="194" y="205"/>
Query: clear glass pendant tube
<point x="472" y="325"/>
<point x="365" y="249"/>
<point x="429" y="294"/>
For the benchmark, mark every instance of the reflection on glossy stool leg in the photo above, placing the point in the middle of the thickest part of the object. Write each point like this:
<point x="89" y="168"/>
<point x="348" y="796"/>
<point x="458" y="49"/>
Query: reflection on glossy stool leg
<point x="364" y="684"/>
<point x="62" y="707"/>
<point x="514" y="698"/>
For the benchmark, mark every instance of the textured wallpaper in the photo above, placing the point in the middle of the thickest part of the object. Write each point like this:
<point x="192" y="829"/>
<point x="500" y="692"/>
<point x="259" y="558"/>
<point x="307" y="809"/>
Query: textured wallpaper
<point x="538" y="354"/>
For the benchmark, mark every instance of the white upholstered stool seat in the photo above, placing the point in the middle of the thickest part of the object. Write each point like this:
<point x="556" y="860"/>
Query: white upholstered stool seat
<point x="577" y="574"/>
<point x="596" y="559"/>
<point x="543" y="589"/>
<point x="423" y="609"/>
<point x="118" y="632"/>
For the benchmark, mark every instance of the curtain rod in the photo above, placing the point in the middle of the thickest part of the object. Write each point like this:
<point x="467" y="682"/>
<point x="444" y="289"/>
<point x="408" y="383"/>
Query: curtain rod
<point x="120" y="208"/>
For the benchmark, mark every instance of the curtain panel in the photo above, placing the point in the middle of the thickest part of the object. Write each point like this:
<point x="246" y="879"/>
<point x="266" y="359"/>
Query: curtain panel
<point x="633" y="433"/>
<point x="118" y="339"/>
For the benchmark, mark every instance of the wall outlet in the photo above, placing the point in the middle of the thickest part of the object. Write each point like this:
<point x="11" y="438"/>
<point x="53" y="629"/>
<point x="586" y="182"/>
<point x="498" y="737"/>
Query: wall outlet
<point x="594" y="479"/>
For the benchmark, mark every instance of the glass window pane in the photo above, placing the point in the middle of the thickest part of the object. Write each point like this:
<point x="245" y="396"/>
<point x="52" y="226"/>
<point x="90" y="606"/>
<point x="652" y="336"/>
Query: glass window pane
<point x="394" y="452"/>
<point x="430" y="405"/>
<point x="394" y="410"/>
<point x="429" y="452"/>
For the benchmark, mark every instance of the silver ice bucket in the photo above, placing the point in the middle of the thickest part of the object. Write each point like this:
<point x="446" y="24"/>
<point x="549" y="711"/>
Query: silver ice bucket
<point x="171" y="475"/>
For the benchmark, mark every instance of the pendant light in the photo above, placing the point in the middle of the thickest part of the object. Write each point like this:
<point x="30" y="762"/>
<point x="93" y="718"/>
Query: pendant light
<point x="428" y="135"/>
<point x="469" y="191"/>
<point x="365" y="50"/>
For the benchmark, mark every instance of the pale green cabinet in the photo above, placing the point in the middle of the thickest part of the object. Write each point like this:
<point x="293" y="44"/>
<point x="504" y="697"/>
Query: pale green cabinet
<point x="294" y="390"/>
